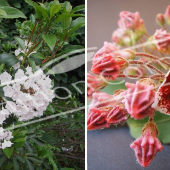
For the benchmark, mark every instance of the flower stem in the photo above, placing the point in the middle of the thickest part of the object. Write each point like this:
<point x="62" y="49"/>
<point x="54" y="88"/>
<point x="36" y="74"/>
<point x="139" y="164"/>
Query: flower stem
<point x="152" y="57"/>
<point x="146" y="65"/>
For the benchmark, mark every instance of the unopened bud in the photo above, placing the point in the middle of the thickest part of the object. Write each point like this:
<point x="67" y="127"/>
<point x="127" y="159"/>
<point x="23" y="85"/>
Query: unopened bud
<point x="160" y="19"/>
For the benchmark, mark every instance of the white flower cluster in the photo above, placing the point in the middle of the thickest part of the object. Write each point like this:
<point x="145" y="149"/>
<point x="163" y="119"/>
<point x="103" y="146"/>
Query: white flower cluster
<point x="5" y="137"/>
<point x="30" y="93"/>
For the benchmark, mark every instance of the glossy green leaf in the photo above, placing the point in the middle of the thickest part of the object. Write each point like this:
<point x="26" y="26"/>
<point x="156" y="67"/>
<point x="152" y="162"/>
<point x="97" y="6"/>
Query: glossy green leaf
<point x="54" y="9"/>
<point x="2" y="68"/>
<point x="8" y="59"/>
<point x="67" y="7"/>
<point x="12" y="12"/>
<point x="41" y="12"/>
<point x="32" y="64"/>
<point x="3" y="3"/>
<point x="20" y="140"/>
<point x="3" y="14"/>
<point x="8" y="151"/>
<point x="78" y="8"/>
<point x="76" y="24"/>
<point x="37" y="55"/>
<point x="162" y="121"/>
<point x="50" y="39"/>
<point x="20" y="42"/>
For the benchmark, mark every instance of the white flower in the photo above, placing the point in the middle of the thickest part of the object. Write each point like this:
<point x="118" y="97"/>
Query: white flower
<point x="5" y="78"/>
<point x="6" y="144"/>
<point x="31" y="94"/>
<point x="18" y="51"/>
<point x="8" y="91"/>
<point x="16" y="66"/>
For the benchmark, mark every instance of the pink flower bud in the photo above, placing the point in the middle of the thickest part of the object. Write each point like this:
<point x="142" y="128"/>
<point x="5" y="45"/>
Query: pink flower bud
<point x="160" y="19"/>
<point x="121" y="37"/>
<point x="130" y="20"/>
<point x="117" y="115"/>
<point x="162" y="41"/>
<point x="167" y="15"/>
<point x="162" y="98"/>
<point x="102" y="99"/>
<point x="108" y="48"/>
<point x="138" y="100"/>
<point x="97" y="119"/>
<point x="94" y="83"/>
<point x="147" y="145"/>
<point x="107" y="67"/>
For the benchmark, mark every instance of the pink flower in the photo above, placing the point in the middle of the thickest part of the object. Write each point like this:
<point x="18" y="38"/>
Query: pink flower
<point x="107" y="67"/>
<point x="147" y="145"/>
<point x="162" y="98"/>
<point x="94" y="83"/>
<point x="138" y="100"/>
<point x="97" y="119"/>
<point x="130" y="20"/>
<point x="162" y="40"/>
<point x="108" y="48"/>
<point x="117" y="115"/>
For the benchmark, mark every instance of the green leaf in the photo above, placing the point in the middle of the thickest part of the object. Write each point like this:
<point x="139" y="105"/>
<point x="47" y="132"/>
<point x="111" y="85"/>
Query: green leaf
<point x="114" y="85"/>
<point x="78" y="8"/>
<point x="38" y="142"/>
<point x="41" y="12"/>
<point x="31" y="154"/>
<point x="20" y="42"/>
<point x="16" y="164"/>
<point x="20" y="140"/>
<point x="21" y="159"/>
<point x="32" y="64"/>
<point x="30" y="165"/>
<point x="3" y="14"/>
<point x="162" y="121"/>
<point x="50" y="39"/>
<point x="12" y="12"/>
<point x="8" y="151"/>
<point x="8" y="59"/>
<point x="67" y="7"/>
<point x="3" y="3"/>
<point x="2" y="160"/>
<point x="76" y="24"/>
<point x="2" y="68"/>
<point x="37" y="55"/>
<point x="67" y="169"/>
<point x="54" y="9"/>
<point x="35" y="160"/>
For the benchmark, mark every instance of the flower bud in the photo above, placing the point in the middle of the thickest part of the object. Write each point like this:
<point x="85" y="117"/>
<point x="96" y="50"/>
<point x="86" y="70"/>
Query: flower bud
<point x="138" y="100"/>
<point x="167" y="15"/>
<point x="160" y="19"/>
<point x="147" y="145"/>
<point x="162" y="41"/>
<point x="97" y="119"/>
<point x="117" y="115"/>
<point x="108" y="48"/>
<point x="94" y="83"/>
<point x="107" y="67"/>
